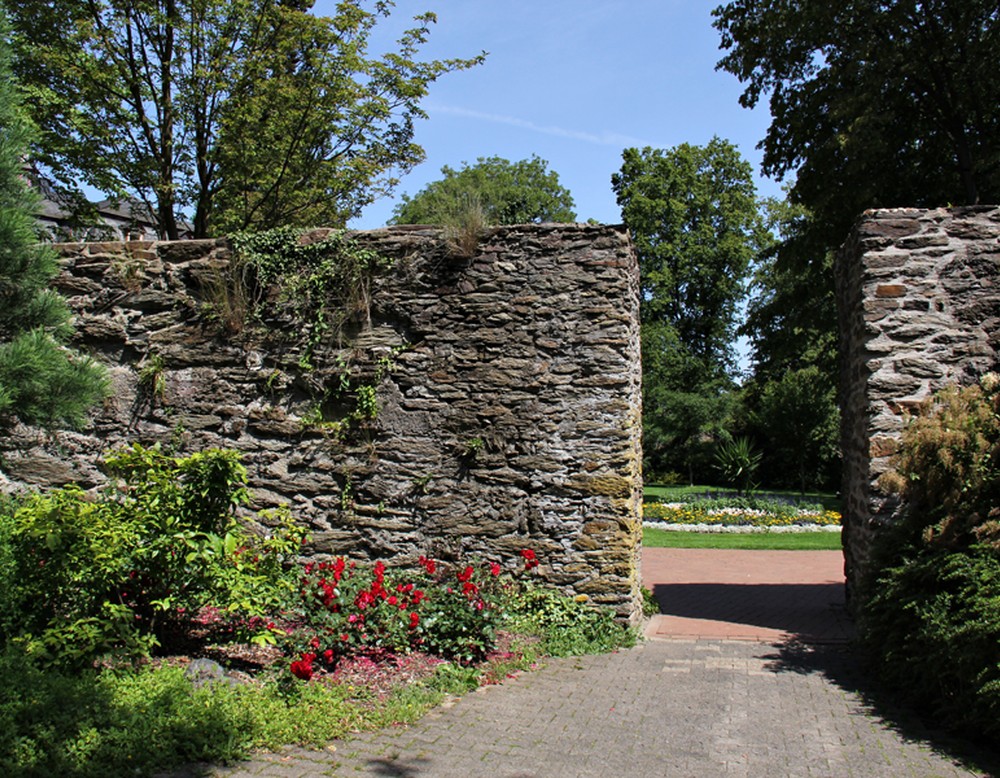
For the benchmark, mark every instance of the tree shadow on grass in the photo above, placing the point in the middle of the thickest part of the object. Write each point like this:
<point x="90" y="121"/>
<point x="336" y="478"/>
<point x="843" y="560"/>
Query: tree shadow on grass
<point x="843" y="665"/>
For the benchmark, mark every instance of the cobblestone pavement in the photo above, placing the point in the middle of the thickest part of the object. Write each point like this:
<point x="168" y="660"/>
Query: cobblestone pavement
<point x="726" y="687"/>
<point x="664" y="708"/>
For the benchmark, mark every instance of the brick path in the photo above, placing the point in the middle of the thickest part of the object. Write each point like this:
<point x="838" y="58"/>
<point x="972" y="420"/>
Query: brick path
<point x="673" y="706"/>
<point x="739" y="595"/>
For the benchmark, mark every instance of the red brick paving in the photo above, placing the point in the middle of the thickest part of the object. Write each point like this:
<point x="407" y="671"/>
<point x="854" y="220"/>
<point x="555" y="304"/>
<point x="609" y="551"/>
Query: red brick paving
<point x="747" y="595"/>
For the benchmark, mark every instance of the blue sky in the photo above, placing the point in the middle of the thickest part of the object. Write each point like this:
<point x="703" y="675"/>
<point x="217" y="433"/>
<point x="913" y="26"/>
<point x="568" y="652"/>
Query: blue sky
<point x="575" y="82"/>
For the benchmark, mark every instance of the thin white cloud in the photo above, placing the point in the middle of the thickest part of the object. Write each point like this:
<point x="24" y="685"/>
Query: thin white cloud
<point x="602" y="139"/>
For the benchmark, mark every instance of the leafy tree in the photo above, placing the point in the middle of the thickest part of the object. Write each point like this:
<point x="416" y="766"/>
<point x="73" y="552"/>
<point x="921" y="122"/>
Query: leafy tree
<point x="798" y="422"/>
<point x="873" y="104"/>
<point x="41" y="382"/>
<point x="791" y="319"/>
<point x="685" y="409"/>
<point x="692" y="212"/>
<point x="507" y="192"/>
<point x="250" y="113"/>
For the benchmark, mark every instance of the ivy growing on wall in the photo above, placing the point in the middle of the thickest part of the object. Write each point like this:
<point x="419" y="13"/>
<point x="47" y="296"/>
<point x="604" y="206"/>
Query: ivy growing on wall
<point x="327" y="282"/>
<point x="324" y="283"/>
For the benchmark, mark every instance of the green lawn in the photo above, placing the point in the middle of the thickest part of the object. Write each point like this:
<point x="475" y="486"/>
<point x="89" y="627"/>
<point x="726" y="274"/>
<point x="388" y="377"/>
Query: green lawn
<point x="779" y="541"/>
<point x="828" y="500"/>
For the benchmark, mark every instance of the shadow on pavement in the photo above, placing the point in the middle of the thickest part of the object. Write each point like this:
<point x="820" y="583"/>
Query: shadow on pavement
<point x="815" y="610"/>
<point x="842" y="665"/>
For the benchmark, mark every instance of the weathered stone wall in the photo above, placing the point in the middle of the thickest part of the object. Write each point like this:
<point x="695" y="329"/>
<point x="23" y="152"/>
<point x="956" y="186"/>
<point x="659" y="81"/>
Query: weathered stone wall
<point x="919" y="300"/>
<point x="508" y="386"/>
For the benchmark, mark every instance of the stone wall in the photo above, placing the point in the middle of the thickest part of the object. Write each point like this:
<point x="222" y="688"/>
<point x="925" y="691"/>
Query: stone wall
<point x="507" y="383"/>
<point x="919" y="306"/>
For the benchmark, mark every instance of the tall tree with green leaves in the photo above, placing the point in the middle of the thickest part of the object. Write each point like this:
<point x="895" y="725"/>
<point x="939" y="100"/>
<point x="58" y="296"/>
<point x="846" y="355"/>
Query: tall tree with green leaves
<point x="244" y="113"/>
<point x="873" y="103"/>
<point x="692" y="212"/>
<point x="506" y="193"/>
<point x="791" y="319"/>
<point x="41" y="381"/>
<point x="693" y="216"/>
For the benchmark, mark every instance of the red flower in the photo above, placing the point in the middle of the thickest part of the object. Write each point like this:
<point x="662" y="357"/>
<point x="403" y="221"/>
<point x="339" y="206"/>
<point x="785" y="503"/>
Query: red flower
<point x="414" y="620"/>
<point x="530" y="560"/>
<point x="302" y="667"/>
<point x="469" y="589"/>
<point x="418" y="595"/>
<point x="494" y="569"/>
<point x="428" y="564"/>
<point x="465" y="575"/>
<point x="328" y="655"/>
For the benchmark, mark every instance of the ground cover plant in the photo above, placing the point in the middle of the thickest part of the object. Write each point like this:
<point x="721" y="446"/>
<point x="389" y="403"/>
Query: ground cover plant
<point x="742" y="511"/>
<point x="931" y="614"/>
<point x="111" y="605"/>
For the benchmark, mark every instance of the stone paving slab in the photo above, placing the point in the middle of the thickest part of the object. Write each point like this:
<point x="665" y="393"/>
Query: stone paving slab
<point x="664" y="708"/>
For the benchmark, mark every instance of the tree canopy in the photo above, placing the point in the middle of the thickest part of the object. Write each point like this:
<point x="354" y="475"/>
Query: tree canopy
<point x="506" y="192"/>
<point x="41" y="381"/>
<point x="244" y="113"/>
<point x="693" y="216"/>
<point x="873" y="103"/>
<point x="692" y="212"/>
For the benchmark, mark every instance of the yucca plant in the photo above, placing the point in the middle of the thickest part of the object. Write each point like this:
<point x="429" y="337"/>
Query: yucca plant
<point x="737" y="460"/>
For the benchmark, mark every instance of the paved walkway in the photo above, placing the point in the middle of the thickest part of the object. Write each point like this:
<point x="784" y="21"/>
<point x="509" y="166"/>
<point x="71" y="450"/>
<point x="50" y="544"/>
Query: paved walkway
<point x="740" y="595"/>
<point x="692" y="701"/>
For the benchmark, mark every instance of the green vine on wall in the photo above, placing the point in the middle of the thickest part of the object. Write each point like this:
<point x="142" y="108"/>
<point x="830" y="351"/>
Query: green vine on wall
<point x="326" y="282"/>
<point x="323" y="281"/>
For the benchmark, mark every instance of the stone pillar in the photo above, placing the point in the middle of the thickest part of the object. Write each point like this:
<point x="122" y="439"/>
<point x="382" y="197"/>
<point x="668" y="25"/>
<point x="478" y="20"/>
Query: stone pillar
<point x="918" y="295"/>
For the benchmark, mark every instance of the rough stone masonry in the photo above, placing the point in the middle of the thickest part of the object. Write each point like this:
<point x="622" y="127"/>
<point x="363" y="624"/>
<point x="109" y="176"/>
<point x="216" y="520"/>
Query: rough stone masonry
<point x="507" y="383"/>
<point x="919" y="308"/>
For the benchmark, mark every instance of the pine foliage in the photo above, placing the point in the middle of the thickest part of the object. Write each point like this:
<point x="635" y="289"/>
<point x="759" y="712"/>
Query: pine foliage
<point x="41" y="381"/>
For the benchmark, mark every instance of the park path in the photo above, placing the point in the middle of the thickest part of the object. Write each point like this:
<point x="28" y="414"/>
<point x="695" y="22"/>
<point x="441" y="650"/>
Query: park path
<point x="748" y="673"/>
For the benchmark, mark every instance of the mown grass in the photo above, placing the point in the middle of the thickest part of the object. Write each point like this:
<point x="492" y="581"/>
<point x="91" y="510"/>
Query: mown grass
<point x="828" y="500"/>
<point x="759" y="541"/>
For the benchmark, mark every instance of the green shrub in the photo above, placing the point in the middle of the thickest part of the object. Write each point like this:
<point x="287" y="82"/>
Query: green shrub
<point x="737" y="461"/>
<point x="930" y="612"/>
<point x="566" y="626"/>
<point x="947" y="469"/>
<point x="129" y="570"/>
<point x="933" y="628"/>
